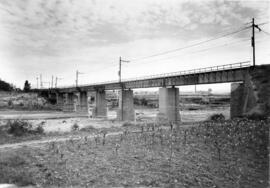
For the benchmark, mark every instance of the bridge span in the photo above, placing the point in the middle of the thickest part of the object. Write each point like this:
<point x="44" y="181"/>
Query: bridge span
<point x="246" y="81"/>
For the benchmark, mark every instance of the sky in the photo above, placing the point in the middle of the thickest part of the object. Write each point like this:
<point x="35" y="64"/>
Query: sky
<point x="57" y="37"/>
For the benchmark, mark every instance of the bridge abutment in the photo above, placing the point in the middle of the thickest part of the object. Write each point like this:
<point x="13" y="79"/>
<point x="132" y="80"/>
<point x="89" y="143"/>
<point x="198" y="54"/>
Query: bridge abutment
<point x="126" y="106"/>
<point x="169" y="104"/>
<point x="252" y="97"/>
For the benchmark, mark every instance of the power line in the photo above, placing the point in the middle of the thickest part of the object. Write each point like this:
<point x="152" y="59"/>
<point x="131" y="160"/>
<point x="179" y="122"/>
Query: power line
<point x="264" y="23"/>
<point x="198" y="51"/>
<point x="189" y="46"/>
<point x="265" y="32"/>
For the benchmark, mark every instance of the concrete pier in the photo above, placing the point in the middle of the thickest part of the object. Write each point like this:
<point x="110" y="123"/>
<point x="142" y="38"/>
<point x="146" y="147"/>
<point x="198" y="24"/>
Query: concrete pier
<point x="126" y="106"/>
<point x="169" y="104"/>
<point x="60" y="100"/>
<point x="83" y="102"/>
<point x="68" y="102"/>
<point x="100" y="104"/>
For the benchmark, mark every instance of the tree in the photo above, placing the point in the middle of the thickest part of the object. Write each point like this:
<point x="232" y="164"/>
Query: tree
<point x="4" y="86"/>
<point x="27" y="86"/>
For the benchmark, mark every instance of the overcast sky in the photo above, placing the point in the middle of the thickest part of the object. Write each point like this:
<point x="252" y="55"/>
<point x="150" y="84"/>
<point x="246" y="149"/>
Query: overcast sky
<point x="58" y="37"/>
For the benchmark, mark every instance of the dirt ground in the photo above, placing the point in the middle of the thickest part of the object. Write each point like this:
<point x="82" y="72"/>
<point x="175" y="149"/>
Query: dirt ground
<point x="148" y="157"/>
<point x="62" y="122"/>
<point x="107" y="153"/>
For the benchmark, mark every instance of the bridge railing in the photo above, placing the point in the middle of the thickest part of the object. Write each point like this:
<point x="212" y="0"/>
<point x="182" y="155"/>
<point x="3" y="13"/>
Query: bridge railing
<point x="178" y="73"/>
<point x="195" y="71"/>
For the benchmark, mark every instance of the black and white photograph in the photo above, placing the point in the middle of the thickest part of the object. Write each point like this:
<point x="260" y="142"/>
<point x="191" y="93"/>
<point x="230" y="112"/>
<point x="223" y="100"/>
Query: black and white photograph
<point x="135" y="93"/>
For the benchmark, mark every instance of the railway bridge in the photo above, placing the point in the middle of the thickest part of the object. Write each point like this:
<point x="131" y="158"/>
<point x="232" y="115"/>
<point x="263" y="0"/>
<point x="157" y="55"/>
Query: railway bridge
<point x="250" y="91"/>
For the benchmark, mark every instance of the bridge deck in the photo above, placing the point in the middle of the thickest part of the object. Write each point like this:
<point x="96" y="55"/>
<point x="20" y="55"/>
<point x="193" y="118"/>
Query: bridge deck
<point x="218" y="74"/>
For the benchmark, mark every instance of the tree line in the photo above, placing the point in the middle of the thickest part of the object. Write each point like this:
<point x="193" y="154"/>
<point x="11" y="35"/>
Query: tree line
<point x="5" y="86"/>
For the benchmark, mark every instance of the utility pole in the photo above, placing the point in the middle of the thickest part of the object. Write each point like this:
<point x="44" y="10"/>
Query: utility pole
<point x="56" y="82"/>
<point x="52" y="82"/>
<point x="37" y="81"/>
<point x="120" y="67"/>
<point x="253" y="39"/>
<point x="41" y="84"/>
<point x="119" y="74"/>
<point x="77" y="77"/>
<point x="56" y="79"/>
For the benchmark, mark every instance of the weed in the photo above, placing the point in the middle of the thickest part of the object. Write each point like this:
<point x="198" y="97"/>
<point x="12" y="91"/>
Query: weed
<point x="75" y="127"/>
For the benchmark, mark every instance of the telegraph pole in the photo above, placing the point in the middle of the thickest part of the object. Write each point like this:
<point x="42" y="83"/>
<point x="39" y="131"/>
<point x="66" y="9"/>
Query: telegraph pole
<point x="41" y="84"/>
<point x="56" y="79"/>
<point x="119" y="73"/>
<point x="37" y="81"/>
<point x="120" y="67"/>
<point x="52" y="82"/>
<point x="253" y="39"/>
<point x="77" y="77"/>
<point x="56" y="82"/>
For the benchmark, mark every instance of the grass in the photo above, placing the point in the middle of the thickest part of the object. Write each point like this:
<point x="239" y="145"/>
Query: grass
<point x="181" y="157"/>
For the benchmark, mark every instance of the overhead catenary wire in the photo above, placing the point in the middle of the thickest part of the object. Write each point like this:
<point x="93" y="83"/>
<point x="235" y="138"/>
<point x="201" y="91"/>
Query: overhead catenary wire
<point x="220" y="36"/>
<point x="189" y="46"/>
<point x="265" y="32"/>
<point x="230" y="43"/>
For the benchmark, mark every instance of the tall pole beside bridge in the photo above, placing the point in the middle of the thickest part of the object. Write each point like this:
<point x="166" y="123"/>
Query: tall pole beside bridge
<point x="119" y="74"/>
<point x="77" y="77"/>
<point x="253" y="40"/>
<point x="120" y="67"/>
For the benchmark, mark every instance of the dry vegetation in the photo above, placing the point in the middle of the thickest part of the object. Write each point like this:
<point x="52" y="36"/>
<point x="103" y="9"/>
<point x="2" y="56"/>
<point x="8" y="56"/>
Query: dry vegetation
<point x="19" y="130"/>
<point x="214" y="154"/>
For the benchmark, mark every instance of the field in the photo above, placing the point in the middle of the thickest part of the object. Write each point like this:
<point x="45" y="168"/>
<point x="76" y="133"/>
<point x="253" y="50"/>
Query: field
<point x="231" y="153"/>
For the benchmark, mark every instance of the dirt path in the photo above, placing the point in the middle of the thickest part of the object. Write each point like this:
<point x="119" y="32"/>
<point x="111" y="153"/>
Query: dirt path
<point x="39" y="143"/>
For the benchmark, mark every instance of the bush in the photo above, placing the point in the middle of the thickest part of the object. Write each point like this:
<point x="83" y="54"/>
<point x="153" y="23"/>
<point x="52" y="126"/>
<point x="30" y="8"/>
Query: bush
<point x="39" y="130"/>
<point x="256" y="116"/>
<point x="128" y="124"/>
<point x="10" y="103"/>
<point x="89" y="128"/>
<point x="217" y="117"/>
<point x="75" y="127"/>
<point x="21" y="128"/>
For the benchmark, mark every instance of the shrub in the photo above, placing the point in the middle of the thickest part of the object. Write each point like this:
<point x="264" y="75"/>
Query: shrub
<point x="128" y="124"/>
<point x="89" y="128"/>
<point x="19" y="128"/>
<point x="75" y="127"/>
<point x="217" y="117"/>
<point x="256" y="116"/>
<point x="10" y="103"/>
<point x="39" y="130"/>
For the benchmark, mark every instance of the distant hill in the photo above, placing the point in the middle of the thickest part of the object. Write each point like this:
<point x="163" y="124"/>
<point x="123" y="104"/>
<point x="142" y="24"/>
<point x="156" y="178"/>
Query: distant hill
<point x="4" y="86"/>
